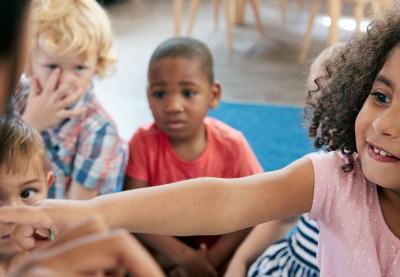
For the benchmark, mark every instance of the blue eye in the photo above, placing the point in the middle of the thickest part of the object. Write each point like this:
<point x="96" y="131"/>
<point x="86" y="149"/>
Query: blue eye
<point x="188" y="93"/>
<point x="380" y="98"/>
<point x="28" y="193"/>
<point x="158" y="94"/>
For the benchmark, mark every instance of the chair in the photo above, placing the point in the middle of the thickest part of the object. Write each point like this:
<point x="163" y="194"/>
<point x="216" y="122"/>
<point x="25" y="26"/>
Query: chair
<point x="334" y="11"/>
<point x="232" y="9"/>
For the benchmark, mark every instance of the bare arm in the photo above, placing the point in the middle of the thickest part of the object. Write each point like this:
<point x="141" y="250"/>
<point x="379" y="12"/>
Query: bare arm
<point x="257" y="241"/>
<point x="78" y="192"/>
<point x="227" y="205"/>
<point x="89" y="248"/>
<point x="231" y="204"/>
<point x="172" y="249"/>
<point x="167" y="246"/>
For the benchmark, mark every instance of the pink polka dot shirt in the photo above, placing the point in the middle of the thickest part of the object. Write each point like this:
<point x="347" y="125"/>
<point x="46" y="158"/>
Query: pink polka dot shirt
<point x="354" y="237"/>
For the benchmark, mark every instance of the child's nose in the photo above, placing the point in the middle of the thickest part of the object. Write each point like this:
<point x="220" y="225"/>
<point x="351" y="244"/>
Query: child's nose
<point x="388" y="123"/>
<point x="67" y="78"/>
<point x="174" y="105"/>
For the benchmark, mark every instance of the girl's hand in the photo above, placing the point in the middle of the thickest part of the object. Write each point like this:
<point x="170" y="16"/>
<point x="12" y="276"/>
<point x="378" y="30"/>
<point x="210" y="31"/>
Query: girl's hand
<point x="89" y="249"/>
<point x="47" y="107"/>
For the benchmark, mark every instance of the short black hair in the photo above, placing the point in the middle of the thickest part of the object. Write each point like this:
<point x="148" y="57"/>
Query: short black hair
<point x="185" y="47"/>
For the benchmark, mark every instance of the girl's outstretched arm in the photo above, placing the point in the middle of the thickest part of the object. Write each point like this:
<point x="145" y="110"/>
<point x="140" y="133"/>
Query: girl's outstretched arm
<point x="204" y="206"/>
<point x="208" y="206"/>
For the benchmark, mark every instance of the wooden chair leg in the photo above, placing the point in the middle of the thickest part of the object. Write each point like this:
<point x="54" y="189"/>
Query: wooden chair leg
<point x="230" y="12"/>
<point x="334" y="10"/>
<point x="301" y="3"/>
<point x="194" y="4"/>
<point x="178" y="7"/>
<point x="306" y="40"/>
<point x="256" y="10"/>
<point x="240" y="11"/>
<point x="216" y="4"/>
<point x="379" y="6"/>
<point x="359" y="14"/>
<point x="282" y="5"/>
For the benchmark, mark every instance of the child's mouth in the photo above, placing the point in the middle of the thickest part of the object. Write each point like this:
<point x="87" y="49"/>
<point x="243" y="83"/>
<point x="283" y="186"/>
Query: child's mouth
<point x="381" y="155"/>
<point x="175" y="125"/>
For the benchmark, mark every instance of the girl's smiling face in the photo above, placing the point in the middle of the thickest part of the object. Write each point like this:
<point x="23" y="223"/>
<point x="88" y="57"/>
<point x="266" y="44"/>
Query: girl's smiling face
<point x="377" y="127"/>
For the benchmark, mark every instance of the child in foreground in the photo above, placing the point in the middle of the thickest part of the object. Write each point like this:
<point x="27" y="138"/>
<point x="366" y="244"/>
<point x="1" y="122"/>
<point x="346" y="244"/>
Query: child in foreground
<point x="352" y="190"/>
<point x="25" y="178"/>
<point x="183" y="143"/>
<point x="72" y="44"/>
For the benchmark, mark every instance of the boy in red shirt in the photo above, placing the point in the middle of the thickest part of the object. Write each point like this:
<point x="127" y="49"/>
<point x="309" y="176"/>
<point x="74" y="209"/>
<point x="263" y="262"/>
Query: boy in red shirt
<point x="183" y="143"/>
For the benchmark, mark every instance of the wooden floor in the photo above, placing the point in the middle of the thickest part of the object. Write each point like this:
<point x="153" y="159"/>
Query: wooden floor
<point x="260" y="69"/>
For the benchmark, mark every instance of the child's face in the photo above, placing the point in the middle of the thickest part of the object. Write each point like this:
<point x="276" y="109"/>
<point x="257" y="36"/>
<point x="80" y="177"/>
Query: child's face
<point x="75" y="71"/>
<point x="377" y="127"/>
<point x="19" y="190"/>
<point x="180" y="94"/>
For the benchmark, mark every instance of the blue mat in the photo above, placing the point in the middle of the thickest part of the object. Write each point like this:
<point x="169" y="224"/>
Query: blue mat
<point x="275" y="133"/>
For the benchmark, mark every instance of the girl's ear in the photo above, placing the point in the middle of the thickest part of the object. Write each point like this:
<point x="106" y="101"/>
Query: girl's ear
<point x="50" y="179"/>
<point x="215" y="96"/>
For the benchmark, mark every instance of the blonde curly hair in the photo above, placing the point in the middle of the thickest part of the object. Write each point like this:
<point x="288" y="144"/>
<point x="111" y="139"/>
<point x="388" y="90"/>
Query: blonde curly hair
<point x="64" y="27"/>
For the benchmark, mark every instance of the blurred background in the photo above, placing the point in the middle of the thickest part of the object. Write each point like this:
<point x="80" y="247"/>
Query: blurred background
<point x="257" y="61"/>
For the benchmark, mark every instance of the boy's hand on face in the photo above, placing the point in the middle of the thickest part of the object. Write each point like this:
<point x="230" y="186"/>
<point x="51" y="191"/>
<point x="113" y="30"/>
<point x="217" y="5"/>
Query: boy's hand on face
<point x="47" y="107"/>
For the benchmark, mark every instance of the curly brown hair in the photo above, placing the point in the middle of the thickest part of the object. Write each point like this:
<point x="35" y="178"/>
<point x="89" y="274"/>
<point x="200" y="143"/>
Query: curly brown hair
<point x="332" y="109"/>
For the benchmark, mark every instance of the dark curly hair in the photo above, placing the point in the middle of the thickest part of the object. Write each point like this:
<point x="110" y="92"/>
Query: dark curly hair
<point x="331" y="110"/>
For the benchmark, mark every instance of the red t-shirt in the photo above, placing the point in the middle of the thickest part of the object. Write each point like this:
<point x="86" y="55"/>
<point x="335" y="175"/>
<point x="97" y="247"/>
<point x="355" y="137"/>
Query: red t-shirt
<point x="227" y="155"/>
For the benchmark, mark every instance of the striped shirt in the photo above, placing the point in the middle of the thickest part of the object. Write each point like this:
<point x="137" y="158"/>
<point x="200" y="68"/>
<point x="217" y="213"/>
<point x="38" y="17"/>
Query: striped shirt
<point x="292" y="256"/>
<point x="86" y="150"/>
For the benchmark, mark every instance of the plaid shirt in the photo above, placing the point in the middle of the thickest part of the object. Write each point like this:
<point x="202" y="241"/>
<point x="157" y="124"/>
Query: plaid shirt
<point x="86" y="149"/>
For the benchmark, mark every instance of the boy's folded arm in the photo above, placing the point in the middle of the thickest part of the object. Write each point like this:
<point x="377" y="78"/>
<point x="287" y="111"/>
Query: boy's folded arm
<point x="174" y="250"/>
<point x="225" y="247"/>
<point x="209" y="206"/>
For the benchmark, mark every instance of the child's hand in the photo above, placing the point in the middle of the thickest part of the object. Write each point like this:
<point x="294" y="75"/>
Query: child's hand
<point x="194" y="264"/>
<point x="47" y="107"/>
<point x="89" y="249"/>
<point x="57" y="215"/>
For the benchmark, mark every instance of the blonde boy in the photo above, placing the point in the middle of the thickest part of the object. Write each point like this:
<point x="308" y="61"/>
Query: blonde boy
<point x="24" y="175"/>
<point x="71" y="44"/>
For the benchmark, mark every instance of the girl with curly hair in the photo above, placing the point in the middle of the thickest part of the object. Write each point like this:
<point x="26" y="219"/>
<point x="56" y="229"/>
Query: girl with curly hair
<point x="352" y="189"/>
